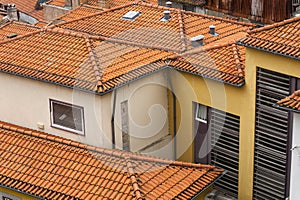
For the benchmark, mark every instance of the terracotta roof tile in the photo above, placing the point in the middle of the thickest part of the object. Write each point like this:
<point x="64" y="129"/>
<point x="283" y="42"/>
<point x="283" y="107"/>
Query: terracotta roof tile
<point x="291" y="102"/>
<point x="192" y="2"/>
<point x="279" y="38"/>
<point x="147" y="28"/>
<point x="27" y="7"/>
<point x="81" y="11"/>
<point x="17" y="28"/>
<point x="29" y="164"/>
<point x="114" y="3"/>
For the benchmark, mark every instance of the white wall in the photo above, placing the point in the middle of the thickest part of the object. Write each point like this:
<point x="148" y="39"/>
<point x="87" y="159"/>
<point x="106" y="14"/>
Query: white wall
<point x="148" y="112"/>
<point x="295" y="167"/>
<point x="25" y="102"/>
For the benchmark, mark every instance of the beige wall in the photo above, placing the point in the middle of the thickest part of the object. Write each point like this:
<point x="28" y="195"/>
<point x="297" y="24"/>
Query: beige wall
<point x="25" y="102"/>
<point x="148" y="114"/>
<point x="53" y="12"/>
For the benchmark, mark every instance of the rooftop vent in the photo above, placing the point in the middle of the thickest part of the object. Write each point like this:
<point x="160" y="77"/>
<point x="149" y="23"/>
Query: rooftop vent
<point x="131" y="15"/>
<point x="12" y="35"/>
<point x="197" y="40"/>
<point x="212" y="30"/>
<point x="167" y="16"/>
<point x="12" y="12"/>
<point x="169" y="4"/>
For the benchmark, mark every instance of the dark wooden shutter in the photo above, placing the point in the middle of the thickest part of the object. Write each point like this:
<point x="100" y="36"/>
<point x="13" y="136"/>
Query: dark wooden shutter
<point x="225" y="149"/>
<point x="271" y="136"/>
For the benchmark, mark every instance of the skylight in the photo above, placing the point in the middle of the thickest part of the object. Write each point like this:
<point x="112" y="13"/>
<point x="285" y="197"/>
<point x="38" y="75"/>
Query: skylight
<point x="131" y="15"/>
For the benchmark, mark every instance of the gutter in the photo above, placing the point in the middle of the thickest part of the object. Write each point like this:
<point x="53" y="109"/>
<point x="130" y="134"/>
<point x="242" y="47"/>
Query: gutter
<point x="174" y="113"/>
<point x="209" y="185"/>
<point x="113" y="134"/>
<point x="266" y="50"/>
<point x="22" y="192"/>
<point x="285" y="108"/>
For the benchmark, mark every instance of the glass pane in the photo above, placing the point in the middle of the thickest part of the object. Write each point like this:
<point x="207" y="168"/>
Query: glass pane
<point x="201" y="113"/>
<point x="67" y="116"/>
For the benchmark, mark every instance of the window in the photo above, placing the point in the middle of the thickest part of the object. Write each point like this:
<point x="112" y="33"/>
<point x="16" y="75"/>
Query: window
<point x="67" y="117"/>
<point x="5" y="196"/>
<point x="125" y="126"/>
<point x="201" y="113"/>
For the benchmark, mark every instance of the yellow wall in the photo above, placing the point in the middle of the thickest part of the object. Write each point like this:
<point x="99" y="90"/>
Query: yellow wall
<point x="238" y="101"/>
<point x="17" y="194"/>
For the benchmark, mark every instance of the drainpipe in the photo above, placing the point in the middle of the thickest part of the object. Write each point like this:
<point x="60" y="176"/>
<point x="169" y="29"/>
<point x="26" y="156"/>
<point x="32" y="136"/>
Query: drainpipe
<point x="174" y="111"/>
<point x="113" y="136"/>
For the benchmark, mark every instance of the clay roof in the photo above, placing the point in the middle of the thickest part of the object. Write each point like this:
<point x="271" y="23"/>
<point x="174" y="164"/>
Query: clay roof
<point x="114" y="3"/>
<point x="60" y="3"/>
<point x="81" y="11"/>
<point x="291" y="102"/>
<point x="51" y="167"/>
<point x="279" y="38"/>
<point x="148" y="29"/>
<point x="225" y="63"/>
<point x="75" y="60"/>
<point x="27" y="7"/>
<point x="13" y="27"/>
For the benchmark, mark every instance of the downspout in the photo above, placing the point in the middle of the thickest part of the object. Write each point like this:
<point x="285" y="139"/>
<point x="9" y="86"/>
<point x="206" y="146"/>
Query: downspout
<point x="113" y="136"/>
<point x="174" y="111"/>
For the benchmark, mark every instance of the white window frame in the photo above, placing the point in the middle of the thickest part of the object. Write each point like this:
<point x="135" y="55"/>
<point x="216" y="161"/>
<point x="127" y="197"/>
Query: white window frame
<point x="63" y="127"/>
<point x="196" y="114"/>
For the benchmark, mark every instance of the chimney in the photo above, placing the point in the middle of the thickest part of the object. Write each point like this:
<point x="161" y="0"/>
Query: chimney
<point x="12" y="12"/>
<point x="212" y="30"/>
<point x="169" y="4"/>
<point x="197" y="41"/>
<point x="167" y="16"/>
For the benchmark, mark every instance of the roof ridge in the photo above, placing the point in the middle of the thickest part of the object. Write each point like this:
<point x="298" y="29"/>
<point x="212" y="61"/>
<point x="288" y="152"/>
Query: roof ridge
<point x="182" y="31"/>
<point x="6" y="23"/>
<point x="239" y="69"/>
<point x="95" y="64"/>
<point x="208" y="48"/>
<point x="275" y="25"/>
<point x="133" y="178"/>
<point x="112" y="152"/>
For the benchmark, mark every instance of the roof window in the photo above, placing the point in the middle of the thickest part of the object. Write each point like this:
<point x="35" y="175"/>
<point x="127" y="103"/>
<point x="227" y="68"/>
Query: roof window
<point x="131" y="15"/>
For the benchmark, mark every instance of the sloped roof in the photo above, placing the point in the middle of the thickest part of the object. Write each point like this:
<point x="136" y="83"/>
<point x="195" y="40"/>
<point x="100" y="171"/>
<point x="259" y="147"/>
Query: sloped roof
<point x="73" y="59"/>
<point x="291" y="102"/>
<point x="13" y="27"/>
<point x="81" y="11"/>
<point x="147" y="28"/>
<point x="114" y="3"/>
<point x="279" y="38"/>
<point x="27" y="7"/>
<point x="51" y="167"/>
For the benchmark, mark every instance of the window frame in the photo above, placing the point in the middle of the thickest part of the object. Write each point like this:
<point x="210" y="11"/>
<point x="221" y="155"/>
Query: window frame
<point x="53" y="125"/>
<point x="196" y="114"/>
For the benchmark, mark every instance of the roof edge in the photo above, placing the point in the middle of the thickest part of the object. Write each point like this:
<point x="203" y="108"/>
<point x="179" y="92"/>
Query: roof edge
<point x="266" y="50"/>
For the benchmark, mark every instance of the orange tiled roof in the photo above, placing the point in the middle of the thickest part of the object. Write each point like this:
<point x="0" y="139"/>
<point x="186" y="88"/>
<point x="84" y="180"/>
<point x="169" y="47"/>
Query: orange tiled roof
<point x="13" y="27"/>
<point x="148" y="29"/>
<point x="52" y="167"/>
<point x="114" y="3"/>
<point x="74" y="59"/>
<point x="225" y="63"/>
<point x="280" y="38"/>
<point x="291" y="102"/>
<point x="81" y="11"/>
<point x="27" y="7"/>
<point x="60" y="3"/>
<point x="192" y="2"/>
